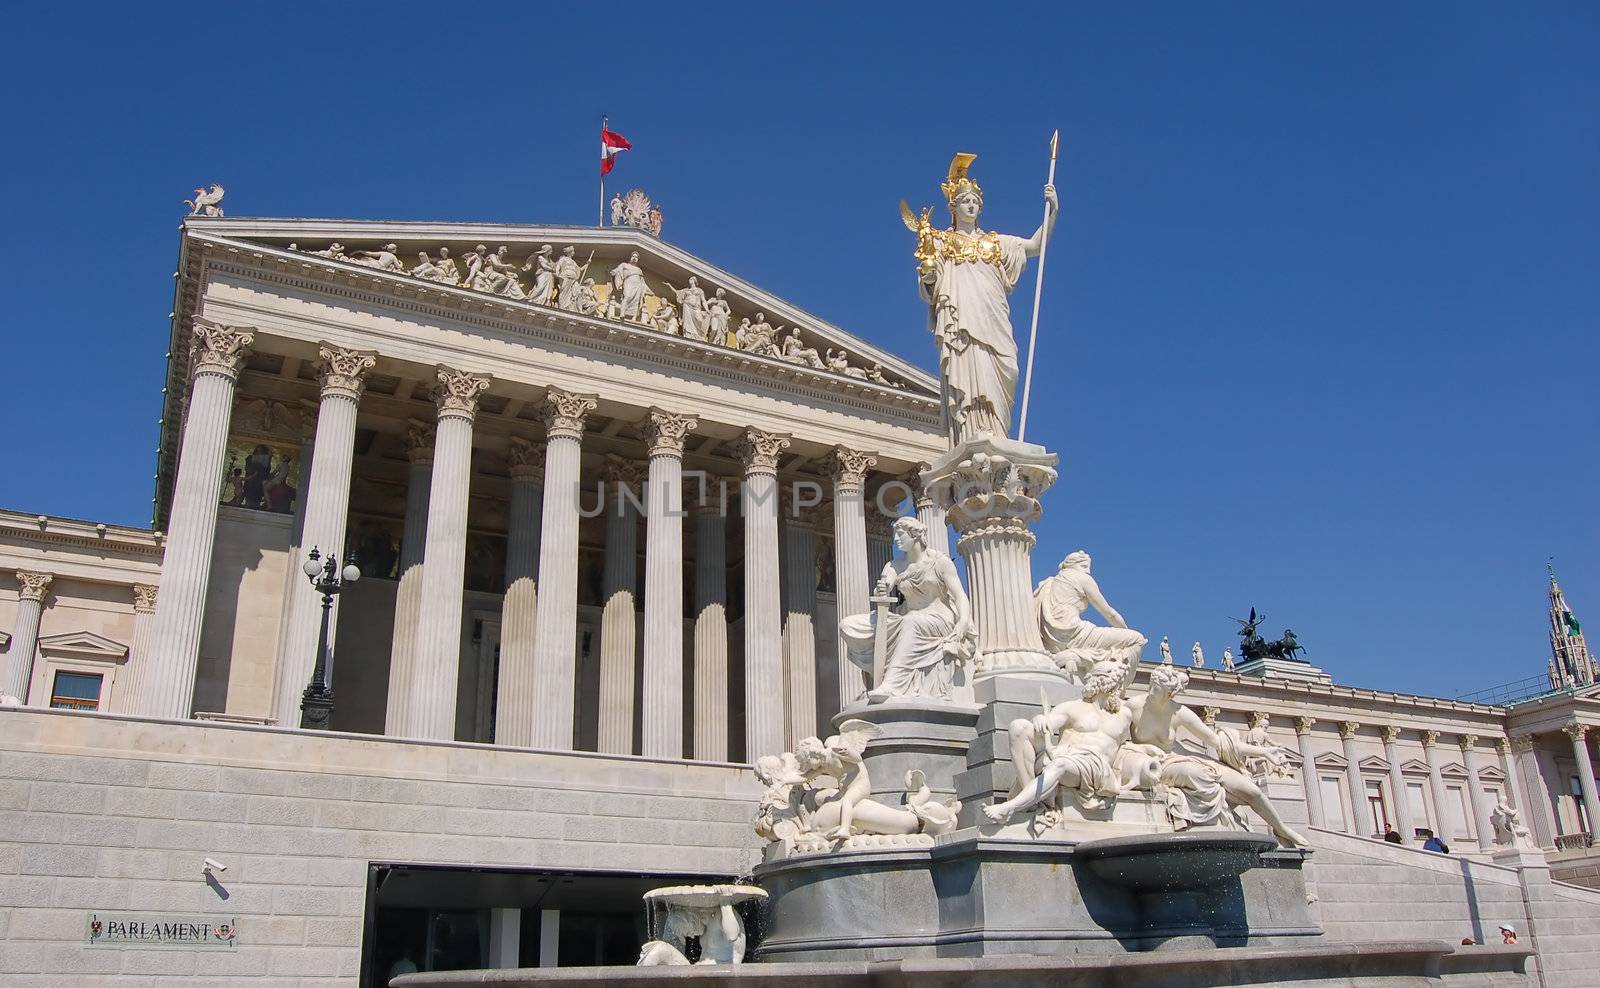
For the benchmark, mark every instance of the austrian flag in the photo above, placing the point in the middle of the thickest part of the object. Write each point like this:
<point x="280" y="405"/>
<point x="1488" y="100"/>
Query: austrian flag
<point x="611" y="143"/>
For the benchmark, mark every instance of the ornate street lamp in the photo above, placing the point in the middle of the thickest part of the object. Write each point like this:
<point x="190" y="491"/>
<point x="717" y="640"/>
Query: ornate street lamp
<point x="316" y="704"/>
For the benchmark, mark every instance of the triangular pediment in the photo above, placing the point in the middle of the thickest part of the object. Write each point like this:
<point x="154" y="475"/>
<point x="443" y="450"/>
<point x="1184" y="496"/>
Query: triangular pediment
<point x="674" y="280"/>
<point x="1491" y="774"/>
<point x="1414" y="767"/>
<point x="1372" y="763"/>
<point x="1454" y="770"/>
<point x="1329" y="759"/>
<point x="83" y="644"/>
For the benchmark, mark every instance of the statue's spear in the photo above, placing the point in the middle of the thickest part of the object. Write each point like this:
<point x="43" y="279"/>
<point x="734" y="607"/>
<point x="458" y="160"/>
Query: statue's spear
<point x="1038" y="290"/>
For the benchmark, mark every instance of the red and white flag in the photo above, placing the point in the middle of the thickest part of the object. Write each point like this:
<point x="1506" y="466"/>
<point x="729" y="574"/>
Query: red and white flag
<point x="611" y="144"/>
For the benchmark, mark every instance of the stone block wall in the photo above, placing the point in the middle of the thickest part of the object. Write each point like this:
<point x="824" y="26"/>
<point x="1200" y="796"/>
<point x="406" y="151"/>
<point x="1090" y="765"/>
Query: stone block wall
<point x="1369" y="890"/>
<point x="107" y="812"/>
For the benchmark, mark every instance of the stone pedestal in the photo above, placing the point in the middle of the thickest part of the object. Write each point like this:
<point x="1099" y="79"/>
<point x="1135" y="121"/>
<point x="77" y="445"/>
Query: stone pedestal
<point x="990" y="490"/>
<point x="989" y="776"/>
<point x="916" y="734"/>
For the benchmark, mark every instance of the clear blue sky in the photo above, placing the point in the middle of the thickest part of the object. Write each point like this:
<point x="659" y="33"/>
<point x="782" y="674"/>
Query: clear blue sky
<point x="1319" y="322"/>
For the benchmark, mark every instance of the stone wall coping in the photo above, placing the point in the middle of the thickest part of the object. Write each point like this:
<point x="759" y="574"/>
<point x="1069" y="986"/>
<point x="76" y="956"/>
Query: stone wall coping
<point x="1410" y="857"/>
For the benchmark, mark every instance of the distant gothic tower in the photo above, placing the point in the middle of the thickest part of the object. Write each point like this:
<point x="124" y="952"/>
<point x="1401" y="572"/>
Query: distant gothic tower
<point x="1570" y="662"/>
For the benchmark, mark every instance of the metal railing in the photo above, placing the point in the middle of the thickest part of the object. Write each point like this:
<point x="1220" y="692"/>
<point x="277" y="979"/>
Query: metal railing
<point x="1515" y="692"/>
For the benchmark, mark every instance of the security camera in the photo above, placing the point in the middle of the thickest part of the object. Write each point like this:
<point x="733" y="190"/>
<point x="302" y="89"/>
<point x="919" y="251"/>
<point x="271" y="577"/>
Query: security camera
<point x="212" y="864"/>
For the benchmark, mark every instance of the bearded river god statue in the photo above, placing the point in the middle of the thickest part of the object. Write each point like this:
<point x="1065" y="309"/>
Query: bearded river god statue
<point x="966" y="275"/>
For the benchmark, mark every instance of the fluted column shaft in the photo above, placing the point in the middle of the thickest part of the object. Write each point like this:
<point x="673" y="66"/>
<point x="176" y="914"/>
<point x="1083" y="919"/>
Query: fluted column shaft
<point x="1308" y="772"/>
<point x="437" y="664"/>
<point x="880" y="552"/>
<point x="799" y="627"/>
<point x="327" y="507"/>
<point x="25" y="634"/>
<point x="929" y="511"/>
<point x="1352" y="769"/>
<point x="130" y="692"/>
<point x="1430" y="751"/>
<point x="852" y="582"/>
<point x="619" y="631"/>
<point x="408" y="591"/>
<point x="1580" y="751"/>
<point x="515" y="692"/>
<point x="1514" y="792"/>
<point x="1480" y="805"/>
<point x="217" y="354"/>
<point x="763" y="641"/>
<point x="662" y="720"/>
<point x="556" y="628"/>
<point x="710" y="632"/>
<point x="1397" y="784"/>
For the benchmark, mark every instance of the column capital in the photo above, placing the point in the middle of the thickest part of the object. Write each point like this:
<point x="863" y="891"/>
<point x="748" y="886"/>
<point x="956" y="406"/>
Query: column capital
<point x="1574" y="731"/>
<point x="1503" y="746"/>
<point x="344" y="372"/>
<point x="1391" y="734"/>
<point x="1348" y="729"/>
<point x="33" y="585"/>
<point x="144" y="598"/>
<point x="667" y="431"/>
<point x="458" y="391"/>
<point x="849" y="467"/>
<point x="1429" y="738"/>
<point x="218" y="349"/>
<point x="526" y="459"/>
<point x="419" y="441"/>
<point x="921" y="499"/>
<point x="1525" y="742"/>
<point x="1303" y="725"/>
<point x="1209" y="715"/>
<point x="759" y="451"/>
<point x="1466" y="741"/>
<point x="1260" y="719"/>
<point x="565" y="413"/>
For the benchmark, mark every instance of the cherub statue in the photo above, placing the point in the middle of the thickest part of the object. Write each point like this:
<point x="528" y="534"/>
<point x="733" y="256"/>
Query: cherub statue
<point x="206" y="202"/>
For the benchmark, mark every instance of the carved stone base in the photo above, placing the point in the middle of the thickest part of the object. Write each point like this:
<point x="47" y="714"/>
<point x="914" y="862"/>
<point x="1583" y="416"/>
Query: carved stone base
<point x="989" y="776"/>
<point x="916" y="734"/>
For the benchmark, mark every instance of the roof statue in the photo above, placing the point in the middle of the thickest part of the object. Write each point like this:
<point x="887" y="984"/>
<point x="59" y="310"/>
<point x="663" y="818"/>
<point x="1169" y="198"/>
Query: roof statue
<point x="635" y="209"/>
<point x="966" y="275"/>
<point x="206" y="202"/>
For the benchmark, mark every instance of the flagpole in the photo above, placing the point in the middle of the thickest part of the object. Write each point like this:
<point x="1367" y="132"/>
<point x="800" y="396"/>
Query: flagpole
<point x="1038" y="290"/>
<point x="602" y="216"/>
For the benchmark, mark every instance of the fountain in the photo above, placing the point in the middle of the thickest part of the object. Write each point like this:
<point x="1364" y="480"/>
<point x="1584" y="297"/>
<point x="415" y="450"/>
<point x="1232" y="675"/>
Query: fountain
<point x="703" y="912"/>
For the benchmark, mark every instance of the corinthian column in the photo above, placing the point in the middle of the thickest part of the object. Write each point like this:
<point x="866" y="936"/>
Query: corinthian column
<point x="436" y="665"/>
<point x="216" y="353"/>
<point x="1480" y="806"/>
<point x="1430" y="752"/>
<point x="663" y="586"/>
<point x="31" y="588"/>
<point x="516" y="696"/>
<point x="763" y="643"/>
<point x="1352" y="775"/>
<point x="1397" y="784"/>
<point x="1308" y="771"/>
<point x="131" y="692"/>
<point x="343" y="374"/>
<point x="880" y="544"/>
<point x="408" y="591"/>
<point x="799" y="621"/>
<point x="849" y="468"/>
<point x="710" y="627"/>
<point x="1580" y="751"/>
<point x="619" y="632"/>
<point x="555" y="631"/>
<point x="929" y="511"/>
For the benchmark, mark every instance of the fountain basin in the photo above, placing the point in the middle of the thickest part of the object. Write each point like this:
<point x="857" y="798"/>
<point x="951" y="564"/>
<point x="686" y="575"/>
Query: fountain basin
<point x="1177" y="862"/>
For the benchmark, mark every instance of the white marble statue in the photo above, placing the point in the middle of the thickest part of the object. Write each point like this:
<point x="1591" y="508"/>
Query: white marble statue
<point x="927" y="633"/>
<point x="757" y="338"/>
<point x="1509" y="830"/>
<point x="1200" y="786"/>
<point x="692" y="305"/>
<point x="666" y="319"/>
<point x="473" y="261"/>
<point x="1197" y="656"/>
<point x="795" y="351"/>
<point x="567" y="274"/>
<point x="616" y="210"/>
<point x="838" y="362"/>
<point x="442" y="269"/>
<point x="818" y="795"/>
<point x="544" y="277"/>
<point x="718" y="312"/>
<point x="1072" y="750"/>
<point x="586" y="302"/>
<point x="966" y="275"/>
<point x="1074" y="643"/>
<point x="1166" y="651"/>
<point x="498" y="276"/>
<point x="627" y="286"/>
<point x="704" y="912"/>
<point x="875" y="375"/>
<point x="384" y="258"/>
<point x="1227" y="659"/>
<point x="206" y="202"/>
<point x="334" y="250"/>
